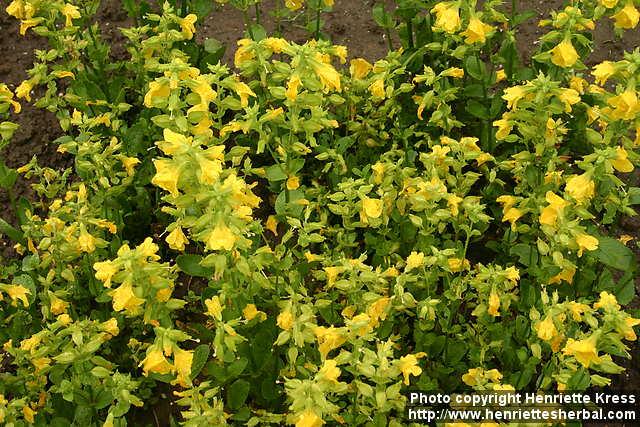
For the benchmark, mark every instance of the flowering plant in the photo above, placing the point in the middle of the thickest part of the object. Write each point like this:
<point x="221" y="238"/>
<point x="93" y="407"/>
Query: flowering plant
<point x="300" y="236"/>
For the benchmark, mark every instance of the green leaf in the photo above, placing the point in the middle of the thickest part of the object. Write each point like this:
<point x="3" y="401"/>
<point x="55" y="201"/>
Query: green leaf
<point x="7" y="129"/>
<point x="200" y="357"/>
<point x="190" y="264"/>
<point x="527" y="254"/>
<point x="8" y="176"/>
<point x="477" y="109"/>
<point x="634" y="195"/>
<point x="237" y="394"/>
<point x="381" y="17"/>
<point x="201" y="8"/>
<point x="475" y="67"/>
<point x="275" y="173"/>
<point x="579" y="381"/>
<point x="625" y="289"/>
<point x="237" y="367"/>
<point x="215" y="51"/>
<point x="613" y="253"/>
<point x="11" y="232"/>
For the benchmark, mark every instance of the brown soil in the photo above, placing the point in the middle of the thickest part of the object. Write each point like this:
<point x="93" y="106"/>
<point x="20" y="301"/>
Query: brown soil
<point x="350" y="24"/>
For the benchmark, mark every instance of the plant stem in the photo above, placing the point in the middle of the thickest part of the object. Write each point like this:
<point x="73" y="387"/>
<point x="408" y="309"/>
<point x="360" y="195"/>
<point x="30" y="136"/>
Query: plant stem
<point x="279" y="8"/>
<point x="514" y="4"/>
<point x="247" y="23"/>
<point x="257" y="12"/>
<point x="409" y="33"/>
<point x="318" y="10"/>
<point x="388" y="36"/>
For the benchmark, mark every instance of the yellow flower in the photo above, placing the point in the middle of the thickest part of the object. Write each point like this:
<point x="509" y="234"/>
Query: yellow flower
<point x="64" y="319"/>
<point x="607" y="301"/>
<point x="332" y="274"/>
<point x="220" y="237"/>
<point x="447" y="17"/>
<point x="17" y="292"/>
<point x="576" y="309"/>
<point x="512" y="215"/>
<point x="512" y="274"/>
<point x="584" y="351"/>
<point x="16" y="9"/>
<point x="244" y="92"/>
<point x="125" y="299"/>
<point x="359" y="68"/>
<point x="250" y="312"/>
<point x="86" y="242"/>
<point x="30" y="344"/>
<point x="494" y="304"/>
<point x="500" y="75"/>
<point x="621" y="163"/>
<point x="627" y="328"/>
<point x="28" y="414"/>
<point x="565" y="274"/>
<point x="167" y="175"/>
<point x="472" y="376"/>
<point x="187" y="25"/>
<point x="504" y="128"/>
<point x="214" y="308"/>
<point x="105" y="271"/>
<point x="587" y="242"/>
<point x="603" y="71"/>
<point x="328" y="339"/>
<point x="569" y="97"/>
<point x="28" y="23"/>
<point x="564" y="54"/>
<point x="209" y="170"/>
<point x="476" y="31"/>
<point x="275" y="44"/>
<point x="377" y="310"/>
<point x="456" y="73"/>
<point x="371" y="208"/>
<point x="578" y="84"/>
<point x="308" y="418"/>
<point x="70" y="12"/>
<point x="580" y="187"/>
<point x="111" y="327"/>
<point x="408" y="365"/>
<point x="285" y="320"/>
<point x="625" y="105"/>
<point x="549" y="214"/>
<point x="58" y="306"/>
<point x="293" y="4"/>
<point x="377" y="88"/>
<point x="512" y="95"/>
<point x="129" y="164"/>
<point x="156" y="362"/>
<point x="546" y="330"/>
<point x="628" y="17"/>
<point x="23" y="91"/>
<point x="148" y="249"/>
<point x="156" y="90"/>
<point x="182" y="360"/>
<point x="328" y="75"/>
<point x="176" y="239"/>
<point x="608" y="3"/>
<point x="493" y="375"/>
<point x="244" y="53"/>
<point x="457" y="264"/>
<point x="625" y="238"/>
<point x="330" y="371"/>
<point x="414" y="260"/>
<point x="293" y="182"/>
<point x="292" y="88"/>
